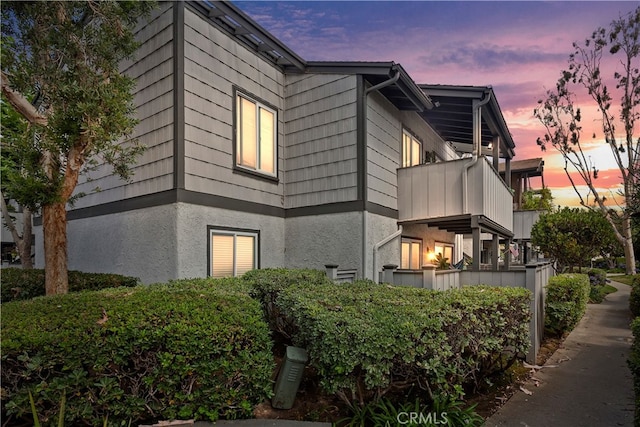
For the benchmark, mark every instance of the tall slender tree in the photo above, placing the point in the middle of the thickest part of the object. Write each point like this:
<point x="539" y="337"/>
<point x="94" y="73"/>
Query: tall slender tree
<point x="68" y="54"/>
<point x="617" y="98"/>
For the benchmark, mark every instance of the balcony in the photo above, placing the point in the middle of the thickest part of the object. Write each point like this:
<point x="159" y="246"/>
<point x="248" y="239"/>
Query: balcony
<point x="455" y="195"/>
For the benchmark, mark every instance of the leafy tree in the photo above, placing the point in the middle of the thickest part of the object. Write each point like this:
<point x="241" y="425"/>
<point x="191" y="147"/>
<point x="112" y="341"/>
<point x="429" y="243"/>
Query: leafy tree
<point x="13" y="166"/>
<point x="537" y="200"/>
<point x="66" y="54"/>
<point x="562" y="119"/>
<point x="573" y="236"/>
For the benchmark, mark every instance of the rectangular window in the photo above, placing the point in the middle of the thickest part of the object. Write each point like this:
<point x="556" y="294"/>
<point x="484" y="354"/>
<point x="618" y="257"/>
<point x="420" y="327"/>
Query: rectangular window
<point x="411" y="254"/>
<point x="255" y="136"/>
<point x="232" y="253"/>
<point x="411" y="150"/>
<point x="445" y="249"/>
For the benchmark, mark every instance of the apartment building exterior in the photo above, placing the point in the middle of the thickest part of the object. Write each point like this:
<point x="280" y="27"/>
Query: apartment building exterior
<point x="257" y="158"/>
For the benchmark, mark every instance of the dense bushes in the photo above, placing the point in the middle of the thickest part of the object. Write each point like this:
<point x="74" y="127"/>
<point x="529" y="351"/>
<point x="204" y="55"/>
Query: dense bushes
<point x="19" y="284"/>
<point x="634" y="365"/>
<point x="566" y="302"/>
<point x="192" y="349"/>
<point x="634" y="298"/>
<point x="267" y="284"/>
<point x="365" y="339"/>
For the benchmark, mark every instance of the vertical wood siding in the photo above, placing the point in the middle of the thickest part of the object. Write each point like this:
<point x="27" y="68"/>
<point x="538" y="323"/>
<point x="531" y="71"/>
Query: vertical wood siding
<point x="320" y="151"/>
<point x="214" y="64"/>
<point x="152" y="68"/>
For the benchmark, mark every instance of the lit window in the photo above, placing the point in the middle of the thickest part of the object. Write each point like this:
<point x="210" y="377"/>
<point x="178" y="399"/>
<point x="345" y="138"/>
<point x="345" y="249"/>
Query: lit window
<point x="444" y="249"/>
<point x="255" y="136"/>
<point x="411" y="149"/>
<point x="411" y="254"/>
<point x="233" y="253"/>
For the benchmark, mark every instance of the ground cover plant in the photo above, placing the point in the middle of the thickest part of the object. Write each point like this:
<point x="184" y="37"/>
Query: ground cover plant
<point x="21" y="284"/>
<point x="566" y="302"/>
<point x="366" y="340"/>
<point x="191" y="349"/>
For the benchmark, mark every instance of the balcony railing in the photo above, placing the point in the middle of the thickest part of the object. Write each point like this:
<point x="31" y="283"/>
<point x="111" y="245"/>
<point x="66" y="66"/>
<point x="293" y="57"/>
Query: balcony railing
<point x="454" y="188"/>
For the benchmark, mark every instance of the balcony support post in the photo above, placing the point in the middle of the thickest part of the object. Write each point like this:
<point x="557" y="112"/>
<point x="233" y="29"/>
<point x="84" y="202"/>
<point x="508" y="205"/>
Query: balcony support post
<point x="496" y="152"/>
<point x="495" y="252"/>
<point x="475" y="232"/>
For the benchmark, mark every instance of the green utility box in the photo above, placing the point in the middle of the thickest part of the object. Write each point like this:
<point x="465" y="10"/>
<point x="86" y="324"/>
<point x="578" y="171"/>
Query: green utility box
<point x="289" y="378"/>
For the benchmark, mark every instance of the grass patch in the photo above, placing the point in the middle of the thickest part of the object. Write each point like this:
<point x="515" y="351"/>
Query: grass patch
<point x="597" y="294"/>
<point x="627" y="279"/>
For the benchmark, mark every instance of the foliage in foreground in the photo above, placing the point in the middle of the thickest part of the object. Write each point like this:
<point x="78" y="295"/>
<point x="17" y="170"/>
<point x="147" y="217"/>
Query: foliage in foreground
<point x="20" y="284"/>
<point x="566" y="302"/>
<point x="366" y="339"/>
<point x="634" y="366"/>
<point x="191" y="349"/>
<point x="441" y="412"/>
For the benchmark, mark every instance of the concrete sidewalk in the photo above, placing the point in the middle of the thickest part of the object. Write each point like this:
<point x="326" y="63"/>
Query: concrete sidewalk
<point x="591" y="384"/>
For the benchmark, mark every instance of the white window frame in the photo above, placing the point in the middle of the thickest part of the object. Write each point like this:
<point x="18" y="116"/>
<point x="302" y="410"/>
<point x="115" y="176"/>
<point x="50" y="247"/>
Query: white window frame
<point x="411" y="241"/>
<point x="239" y="146"/>
<point x="409" y="155"/>
<point x="444" y="247"/>
<point x="234" y="233"/>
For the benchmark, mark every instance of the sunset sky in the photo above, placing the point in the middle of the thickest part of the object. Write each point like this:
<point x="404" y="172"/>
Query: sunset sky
<point x="517" y="47"/>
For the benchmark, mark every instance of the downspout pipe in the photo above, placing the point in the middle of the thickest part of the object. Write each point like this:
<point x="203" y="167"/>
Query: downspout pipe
<point x="477" y="147"/>
<point x="377" y="247"/>
<point x="379" y="86"/>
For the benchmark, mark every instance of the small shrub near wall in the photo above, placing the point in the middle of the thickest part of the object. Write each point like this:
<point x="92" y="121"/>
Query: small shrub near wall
<point x="19" y="284"/>
<point x="566" y="302"/>
<point x="365" y="339"/>
<point x="192" y="349"/>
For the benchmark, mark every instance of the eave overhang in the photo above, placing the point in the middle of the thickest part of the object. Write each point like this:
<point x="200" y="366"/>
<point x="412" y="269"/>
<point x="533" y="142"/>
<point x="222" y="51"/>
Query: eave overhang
<point x="404" y="93"/>
<point x="452" y="116"/>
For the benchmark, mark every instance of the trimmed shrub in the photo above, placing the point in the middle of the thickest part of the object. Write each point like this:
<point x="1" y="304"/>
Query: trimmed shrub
<point x="597" y="277"/>
<point x="191" y="349"/>
<point x="634" y="298"/>
<point x="19" y="284"/>
<point x="267" y="284"/>
<point x="365" y="339"/>
<point x="566" y="302"/>
<point x="634" y="366"/>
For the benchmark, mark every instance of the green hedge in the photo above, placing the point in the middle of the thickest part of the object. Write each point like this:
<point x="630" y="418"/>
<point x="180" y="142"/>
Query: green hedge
<point x="19" y="284"/>
<point x="597" y="276"/>
<point x="267" y="284"/>
<point x="365" y="339"/>
<point x="634" y="366"/>
<point x="634" y="298"/>
<point x="566" y="302"/>
<point x="191" y="349"/>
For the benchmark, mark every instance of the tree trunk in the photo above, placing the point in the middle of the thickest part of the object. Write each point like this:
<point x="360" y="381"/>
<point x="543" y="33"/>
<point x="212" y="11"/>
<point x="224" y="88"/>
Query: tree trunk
<point x="629" y="254"/>
<point x="23" y="243"/>
<point x="24" y="249"/>
<point x="54" y="226"/>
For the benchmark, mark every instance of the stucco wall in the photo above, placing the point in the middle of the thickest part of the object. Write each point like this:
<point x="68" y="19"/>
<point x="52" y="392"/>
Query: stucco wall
<point x="315" y="240"/>
<point x="192" y="237"/>
<point x="138" y="243"/>
<point x="160" y="243"/>
<point x="379" y="228"/>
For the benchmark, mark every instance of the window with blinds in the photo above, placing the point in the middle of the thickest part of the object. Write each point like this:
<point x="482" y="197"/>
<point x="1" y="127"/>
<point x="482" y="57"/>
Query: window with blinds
<point x="255" y="135"/>
<point x="411" y="254"/>
<point x="411" y="150"/>
<point x="233" y="253"/>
